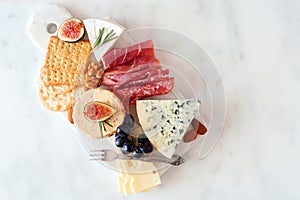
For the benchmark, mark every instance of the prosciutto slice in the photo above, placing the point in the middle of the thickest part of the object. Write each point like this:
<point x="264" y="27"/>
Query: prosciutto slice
<point x="131" y="94"/>
<point x="135" y="72"/>
<point x="142" y="52"/>
<point x="119" y="78"/>
<point x="125" y="69"/>
<point x="149" y="79"/>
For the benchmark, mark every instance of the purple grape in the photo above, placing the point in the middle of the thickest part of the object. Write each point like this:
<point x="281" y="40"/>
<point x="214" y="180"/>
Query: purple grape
<point x="146" y="147"/>
<point x="143" y="139"/>
<point x="119" y="141"/>
<point x="123" y="131"/>
<point x="137" y="152"/>
<point x="128" y="146"/>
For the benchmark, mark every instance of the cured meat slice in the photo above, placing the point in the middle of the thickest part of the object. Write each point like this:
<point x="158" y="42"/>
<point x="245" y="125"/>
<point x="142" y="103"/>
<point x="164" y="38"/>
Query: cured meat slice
<point x="147" y="55"/>
<point x="143" y="52"/>
<point x="122" y="78"/>
<point x="144" y="66"/>
<point x="124" y="69"/>
<point x="118" y="78"/>
<point x="131" y="94"/>
<point x="147" y="80"/>
<point x="135" y="73"/>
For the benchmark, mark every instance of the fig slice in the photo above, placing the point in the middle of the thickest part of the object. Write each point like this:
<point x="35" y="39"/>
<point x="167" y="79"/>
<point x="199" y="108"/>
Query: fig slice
<point x="71" y="30"/>
<point x="96" y="111"/>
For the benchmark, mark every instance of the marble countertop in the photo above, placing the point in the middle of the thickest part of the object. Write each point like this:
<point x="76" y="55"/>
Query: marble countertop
<point x="255" y="46"/>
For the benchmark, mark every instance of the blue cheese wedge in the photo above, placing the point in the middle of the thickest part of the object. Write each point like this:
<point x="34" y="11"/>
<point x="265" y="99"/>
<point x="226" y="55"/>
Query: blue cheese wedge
<point x="92" y="27"/>
<point x="166" y="121"/>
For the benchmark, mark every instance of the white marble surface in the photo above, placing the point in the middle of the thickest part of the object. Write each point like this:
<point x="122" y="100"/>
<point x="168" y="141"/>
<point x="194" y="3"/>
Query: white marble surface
<point x="256" y="47"/>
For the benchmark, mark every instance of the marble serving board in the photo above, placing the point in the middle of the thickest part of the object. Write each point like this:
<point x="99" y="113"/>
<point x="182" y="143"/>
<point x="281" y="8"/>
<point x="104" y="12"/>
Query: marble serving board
<point x="39" y="31"/>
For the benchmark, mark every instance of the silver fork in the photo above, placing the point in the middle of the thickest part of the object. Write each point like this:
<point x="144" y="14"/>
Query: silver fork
<point x="109" y="155"/>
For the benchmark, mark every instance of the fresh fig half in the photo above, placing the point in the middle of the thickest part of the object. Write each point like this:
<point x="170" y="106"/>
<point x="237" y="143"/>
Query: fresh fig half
<point x="71" y="30"/>
<point x="96" y="111"/>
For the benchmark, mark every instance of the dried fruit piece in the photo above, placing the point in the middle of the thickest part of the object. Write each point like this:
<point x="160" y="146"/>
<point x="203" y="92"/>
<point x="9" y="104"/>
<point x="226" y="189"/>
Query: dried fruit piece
<point x="201" y="129"/>
<point x="71" y="30"/>
<point x="70" y="115"/>
<point x="190" y="136"/>
<point x="97" y="111"/>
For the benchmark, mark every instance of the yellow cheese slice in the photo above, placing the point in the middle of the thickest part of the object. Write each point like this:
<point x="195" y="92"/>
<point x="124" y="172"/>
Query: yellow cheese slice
<point x="131" y="183"/>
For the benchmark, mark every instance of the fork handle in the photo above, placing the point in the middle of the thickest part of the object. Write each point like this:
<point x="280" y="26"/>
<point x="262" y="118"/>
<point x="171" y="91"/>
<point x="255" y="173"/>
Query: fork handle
<point x="175" y="160"/>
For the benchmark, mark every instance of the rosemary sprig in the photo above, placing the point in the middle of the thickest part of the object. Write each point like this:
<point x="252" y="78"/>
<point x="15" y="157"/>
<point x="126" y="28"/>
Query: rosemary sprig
<point x="99" y="38"/>
<point x="108" y="123"/>
<point x="100" y="126"/>
<point x="103" y="126"/>
<point x="102" y="40"/>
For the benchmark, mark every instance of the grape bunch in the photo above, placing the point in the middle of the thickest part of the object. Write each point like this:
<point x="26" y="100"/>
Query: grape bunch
<point x="129" y="144"/>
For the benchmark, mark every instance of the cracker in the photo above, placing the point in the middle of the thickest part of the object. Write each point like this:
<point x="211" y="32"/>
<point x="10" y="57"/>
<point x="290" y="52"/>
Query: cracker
<point x="54" y="77"/>
<point x="65" y="55"/>
<point x="55" y="101"/>
<point x="62" y="72"/>
<point x="62" y="89"/>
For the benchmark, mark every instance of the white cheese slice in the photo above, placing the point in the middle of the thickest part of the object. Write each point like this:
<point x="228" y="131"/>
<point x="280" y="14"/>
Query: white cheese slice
<point x="137" y="176"/>
<point x="165" y="121"/>
<point x="92" y="27"/>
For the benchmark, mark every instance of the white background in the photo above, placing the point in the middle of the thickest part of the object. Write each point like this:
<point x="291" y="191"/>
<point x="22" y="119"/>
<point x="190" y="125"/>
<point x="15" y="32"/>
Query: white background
<point x="255" y="46"/>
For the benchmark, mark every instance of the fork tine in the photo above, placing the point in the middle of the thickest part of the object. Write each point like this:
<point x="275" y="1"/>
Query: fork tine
<point x="96" y="150"/>
<point x="102" y="154"/>
<point x="92" y="159"/>
<point x="102" y="158"/>
<point x="97" y="154"/>
<point x="96" y="157"/>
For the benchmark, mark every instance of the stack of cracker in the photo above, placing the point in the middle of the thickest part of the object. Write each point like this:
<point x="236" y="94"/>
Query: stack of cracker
<point x="62" y="73"/>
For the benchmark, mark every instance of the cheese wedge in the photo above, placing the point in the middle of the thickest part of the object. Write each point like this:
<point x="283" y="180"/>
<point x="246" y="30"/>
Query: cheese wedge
<point x="146" y="177"/>
<point x="92" y="27"/>
<point x="166" y="121"/>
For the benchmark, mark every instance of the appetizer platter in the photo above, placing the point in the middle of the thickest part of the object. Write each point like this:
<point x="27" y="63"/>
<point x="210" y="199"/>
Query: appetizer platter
<point x="137" y="103"/>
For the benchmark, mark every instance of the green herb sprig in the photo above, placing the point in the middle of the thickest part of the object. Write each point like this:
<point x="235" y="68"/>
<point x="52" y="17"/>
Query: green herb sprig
<point x="102" y="126"/>
<point x="101" y="40"/>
